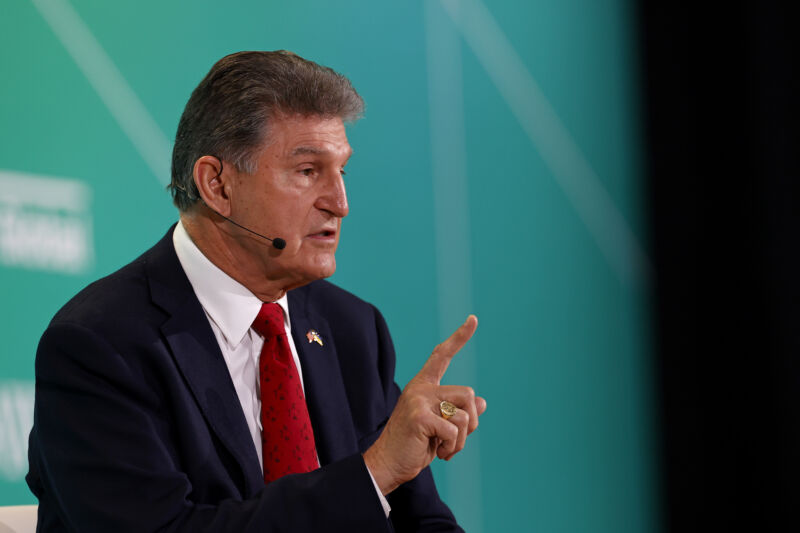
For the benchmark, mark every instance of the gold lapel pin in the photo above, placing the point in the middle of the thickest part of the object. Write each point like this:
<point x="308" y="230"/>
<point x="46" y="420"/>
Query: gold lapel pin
<point x="313" y="336"/>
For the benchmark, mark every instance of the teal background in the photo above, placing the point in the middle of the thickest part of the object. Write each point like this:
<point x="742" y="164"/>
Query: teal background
<point x="449" y="215"/>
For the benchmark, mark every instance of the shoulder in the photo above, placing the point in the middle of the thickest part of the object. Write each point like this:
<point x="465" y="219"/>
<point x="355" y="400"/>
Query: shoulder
<point x="357" y="327"/>
<point x="322" y="292"/>
<point x="123" y="300"/>
<point x="105" y="297"/>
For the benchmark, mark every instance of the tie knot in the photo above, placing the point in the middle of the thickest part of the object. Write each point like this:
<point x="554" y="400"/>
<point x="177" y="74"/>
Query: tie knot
<point x="269" y="321"/>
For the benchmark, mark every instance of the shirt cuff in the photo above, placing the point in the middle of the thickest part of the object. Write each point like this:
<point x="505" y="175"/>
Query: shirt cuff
<point x="384" y="502"/>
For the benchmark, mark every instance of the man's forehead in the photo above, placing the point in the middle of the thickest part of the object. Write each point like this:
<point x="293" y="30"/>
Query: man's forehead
<point x="299" y="135"/>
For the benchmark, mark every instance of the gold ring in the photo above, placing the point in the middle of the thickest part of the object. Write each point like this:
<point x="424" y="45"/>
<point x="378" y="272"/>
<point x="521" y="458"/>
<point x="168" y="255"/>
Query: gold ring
<point x="447" y="409"/>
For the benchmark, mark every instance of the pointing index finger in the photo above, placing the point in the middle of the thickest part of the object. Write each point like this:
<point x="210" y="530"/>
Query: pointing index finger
<point x="434" y="368"/>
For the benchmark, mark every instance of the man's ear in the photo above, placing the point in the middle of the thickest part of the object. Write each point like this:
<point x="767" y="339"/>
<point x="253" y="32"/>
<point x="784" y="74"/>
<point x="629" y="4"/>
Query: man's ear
<point x="213" y="183"/>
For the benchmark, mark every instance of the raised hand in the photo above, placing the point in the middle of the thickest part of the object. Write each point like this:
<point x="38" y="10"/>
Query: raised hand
<point x="416" y="432"/>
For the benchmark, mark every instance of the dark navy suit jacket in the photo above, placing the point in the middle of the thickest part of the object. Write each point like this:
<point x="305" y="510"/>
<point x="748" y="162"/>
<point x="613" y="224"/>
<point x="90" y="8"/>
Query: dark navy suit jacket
<point x="137" y="426"/>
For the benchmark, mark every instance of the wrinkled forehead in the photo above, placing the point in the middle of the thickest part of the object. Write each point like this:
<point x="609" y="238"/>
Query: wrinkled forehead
<point x="302" y="136"/>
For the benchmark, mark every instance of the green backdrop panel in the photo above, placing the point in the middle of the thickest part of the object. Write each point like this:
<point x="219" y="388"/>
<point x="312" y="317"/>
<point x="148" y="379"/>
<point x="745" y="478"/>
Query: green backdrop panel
<point x="497" y="171"/>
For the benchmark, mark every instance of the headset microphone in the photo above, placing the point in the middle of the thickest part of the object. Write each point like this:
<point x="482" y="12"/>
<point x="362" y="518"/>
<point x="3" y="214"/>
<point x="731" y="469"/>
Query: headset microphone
<point x="277" y="242"/>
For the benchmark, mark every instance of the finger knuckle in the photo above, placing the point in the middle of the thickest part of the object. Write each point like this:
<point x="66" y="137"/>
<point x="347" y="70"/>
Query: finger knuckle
<point x="419" y="403"/>
<point x="452" y="432"/>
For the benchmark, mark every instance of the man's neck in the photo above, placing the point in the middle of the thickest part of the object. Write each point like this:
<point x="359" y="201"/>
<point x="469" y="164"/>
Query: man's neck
<point x="224" y="251"/>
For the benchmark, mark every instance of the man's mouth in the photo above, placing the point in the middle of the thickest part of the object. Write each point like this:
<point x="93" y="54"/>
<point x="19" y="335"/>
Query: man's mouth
<point x="324" y="234"/>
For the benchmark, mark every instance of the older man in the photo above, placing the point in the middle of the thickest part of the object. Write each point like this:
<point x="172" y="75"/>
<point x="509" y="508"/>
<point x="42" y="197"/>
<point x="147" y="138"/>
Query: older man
<point x="216" y="383"/>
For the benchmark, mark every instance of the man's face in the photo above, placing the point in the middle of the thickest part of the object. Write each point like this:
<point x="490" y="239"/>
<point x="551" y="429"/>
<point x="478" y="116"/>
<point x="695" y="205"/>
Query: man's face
<point x="297" y="193"/>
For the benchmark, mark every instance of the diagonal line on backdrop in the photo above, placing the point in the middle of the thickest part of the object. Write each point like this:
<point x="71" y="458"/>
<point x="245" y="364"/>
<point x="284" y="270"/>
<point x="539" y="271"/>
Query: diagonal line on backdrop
<point x="109" y="84"/>
<point x="452" y="238"/>
<point x="579" y="182"/>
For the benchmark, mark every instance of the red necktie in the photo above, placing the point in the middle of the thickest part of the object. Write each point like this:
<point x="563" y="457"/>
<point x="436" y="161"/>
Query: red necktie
<point x="286" y="436"/>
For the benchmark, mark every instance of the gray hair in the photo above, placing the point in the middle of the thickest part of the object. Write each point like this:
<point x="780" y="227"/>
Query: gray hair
<point x="229" y="112"/>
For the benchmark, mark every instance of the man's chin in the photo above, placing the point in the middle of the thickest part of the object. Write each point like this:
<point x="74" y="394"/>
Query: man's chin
<point x="328" y="271"/>
<point x="318" y="272"/>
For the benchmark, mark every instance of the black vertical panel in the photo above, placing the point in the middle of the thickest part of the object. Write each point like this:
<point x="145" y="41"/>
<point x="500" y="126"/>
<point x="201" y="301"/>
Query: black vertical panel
<point x="723" y="143"/>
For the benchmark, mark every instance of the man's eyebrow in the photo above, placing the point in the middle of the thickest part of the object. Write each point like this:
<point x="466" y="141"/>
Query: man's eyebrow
<point x="305" y="150"/>
<point x="313" y="150"/>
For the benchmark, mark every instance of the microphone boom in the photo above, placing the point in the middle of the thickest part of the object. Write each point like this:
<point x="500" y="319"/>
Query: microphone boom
<point x="277" y="242"/>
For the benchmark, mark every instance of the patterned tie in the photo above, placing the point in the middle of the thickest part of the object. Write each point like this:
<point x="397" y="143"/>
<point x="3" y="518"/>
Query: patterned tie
<point x="286" y="436"/>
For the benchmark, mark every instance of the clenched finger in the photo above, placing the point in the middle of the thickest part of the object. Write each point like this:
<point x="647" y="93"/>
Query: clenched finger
<point x="446" y="432"/>
<point x="461" y="421"/>
<point x="480" y="404"/>
<point x="437" y="363"/>
<point x="463" y="398"/>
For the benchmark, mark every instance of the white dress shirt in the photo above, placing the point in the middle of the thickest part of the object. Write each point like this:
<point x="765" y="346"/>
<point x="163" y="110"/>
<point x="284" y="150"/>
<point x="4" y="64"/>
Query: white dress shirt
<point x="231" y="309"/>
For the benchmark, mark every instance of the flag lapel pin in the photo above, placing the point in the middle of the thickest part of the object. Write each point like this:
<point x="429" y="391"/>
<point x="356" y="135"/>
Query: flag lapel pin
<point x="313" y="336"/>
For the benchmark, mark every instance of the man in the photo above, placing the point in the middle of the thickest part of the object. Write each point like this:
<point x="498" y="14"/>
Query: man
<point x="216" y="383"/>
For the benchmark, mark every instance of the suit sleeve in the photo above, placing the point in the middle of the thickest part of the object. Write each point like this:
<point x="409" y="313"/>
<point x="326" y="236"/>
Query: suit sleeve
<point x="416" y="505"/>
<point x="98" y="458"/>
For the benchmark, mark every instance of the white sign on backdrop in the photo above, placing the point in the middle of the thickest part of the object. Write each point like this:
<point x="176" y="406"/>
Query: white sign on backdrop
<point x="16" y="420"/>
<point x="45" y="223"/>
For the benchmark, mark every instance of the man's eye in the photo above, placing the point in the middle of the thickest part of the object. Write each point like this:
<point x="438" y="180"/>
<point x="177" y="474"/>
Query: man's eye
<point x="307" y="171"/>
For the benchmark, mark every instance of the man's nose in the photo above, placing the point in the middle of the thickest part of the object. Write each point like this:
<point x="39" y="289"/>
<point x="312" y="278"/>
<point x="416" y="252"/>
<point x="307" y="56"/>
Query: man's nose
<point x="334" y="199"/>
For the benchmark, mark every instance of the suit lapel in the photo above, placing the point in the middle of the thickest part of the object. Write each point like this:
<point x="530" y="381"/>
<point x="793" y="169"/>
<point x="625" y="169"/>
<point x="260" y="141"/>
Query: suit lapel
<point x="326" y="398"/>
<point x="197" y="355"/>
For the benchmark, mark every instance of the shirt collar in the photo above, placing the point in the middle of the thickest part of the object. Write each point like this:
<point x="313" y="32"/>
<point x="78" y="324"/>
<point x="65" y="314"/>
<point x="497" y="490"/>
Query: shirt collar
<point x="228" y="303"/>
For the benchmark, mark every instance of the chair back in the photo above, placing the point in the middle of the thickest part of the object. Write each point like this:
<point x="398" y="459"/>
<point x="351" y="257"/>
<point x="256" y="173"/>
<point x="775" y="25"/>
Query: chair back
<point x="18" y="518"/>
